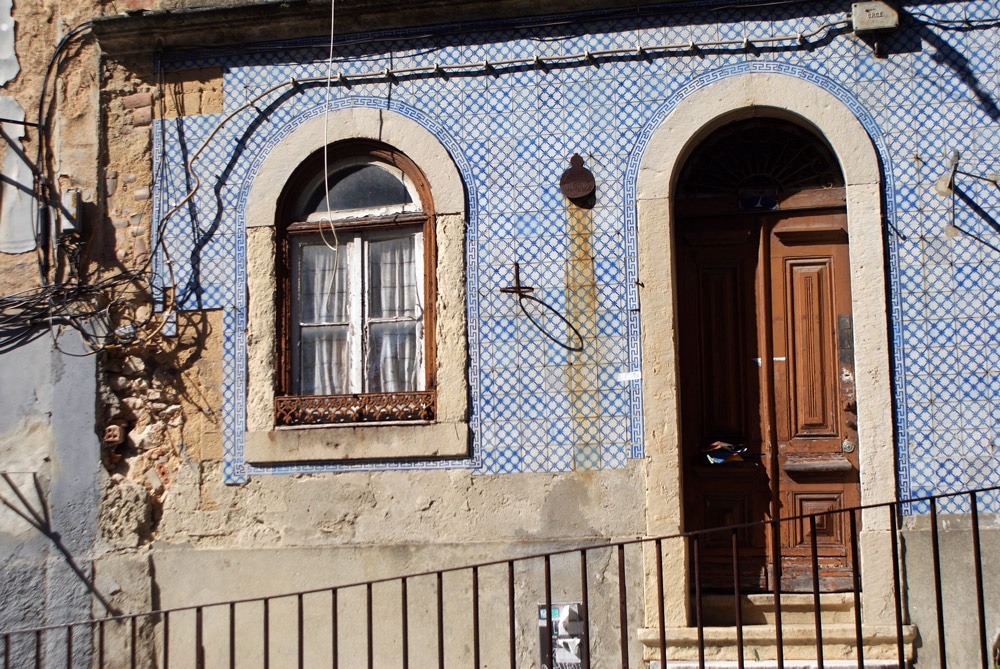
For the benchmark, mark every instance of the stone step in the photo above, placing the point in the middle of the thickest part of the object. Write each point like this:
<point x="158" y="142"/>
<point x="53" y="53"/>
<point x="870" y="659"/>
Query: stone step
<point x="796" y="609"/>
<point x="787" y="664"/>
<point x="798" y="644"/>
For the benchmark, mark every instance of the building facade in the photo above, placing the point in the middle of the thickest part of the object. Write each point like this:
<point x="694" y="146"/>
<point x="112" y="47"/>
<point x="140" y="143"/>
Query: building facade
<point x="420" y="286"/>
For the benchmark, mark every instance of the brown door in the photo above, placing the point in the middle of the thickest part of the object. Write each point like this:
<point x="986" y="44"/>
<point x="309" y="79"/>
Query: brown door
<point x="767" y="372"/>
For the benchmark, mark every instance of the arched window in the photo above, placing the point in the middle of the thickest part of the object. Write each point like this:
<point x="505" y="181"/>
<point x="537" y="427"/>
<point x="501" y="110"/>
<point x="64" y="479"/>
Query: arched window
<point x="759" y="157"/>
<point x="355" y="267"/>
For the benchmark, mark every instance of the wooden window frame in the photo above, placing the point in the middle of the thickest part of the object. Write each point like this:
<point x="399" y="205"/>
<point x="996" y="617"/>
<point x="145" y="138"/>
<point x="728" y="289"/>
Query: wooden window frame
<point x="292" y="409"/>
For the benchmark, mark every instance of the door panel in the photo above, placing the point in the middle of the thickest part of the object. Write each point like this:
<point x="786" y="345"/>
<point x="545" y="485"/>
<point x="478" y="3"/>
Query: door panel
<point x="718" y="263"/>
<point x="812" y="383"/>
<point x="813" y="394"/>
<point x="828" y="534"/>
<point x="722" y="292"/>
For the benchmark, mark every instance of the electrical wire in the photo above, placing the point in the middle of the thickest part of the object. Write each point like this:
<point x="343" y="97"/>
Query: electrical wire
<point x="484" y="66"/>
<point x="956" y="24"/>
<point x="44" y="192"/>
<point x="326" y="154"/>
<point x="534" y="23"/>
<point x="91" y="308"/>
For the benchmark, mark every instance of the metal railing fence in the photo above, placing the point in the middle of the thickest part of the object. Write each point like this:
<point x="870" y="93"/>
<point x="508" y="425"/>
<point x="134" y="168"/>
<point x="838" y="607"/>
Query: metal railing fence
<point x="614" y="604"/>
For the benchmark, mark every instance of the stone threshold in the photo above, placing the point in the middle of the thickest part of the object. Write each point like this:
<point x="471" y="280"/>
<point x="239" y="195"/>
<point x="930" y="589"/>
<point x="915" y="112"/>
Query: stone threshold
<point x="798" y="645"/>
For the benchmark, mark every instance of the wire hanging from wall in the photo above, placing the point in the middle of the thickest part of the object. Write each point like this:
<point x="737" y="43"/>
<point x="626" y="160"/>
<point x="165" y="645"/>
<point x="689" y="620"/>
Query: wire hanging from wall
<point x="65" y="299"/>
<point x="523" y="295"/>
<point x="326" y="153"/>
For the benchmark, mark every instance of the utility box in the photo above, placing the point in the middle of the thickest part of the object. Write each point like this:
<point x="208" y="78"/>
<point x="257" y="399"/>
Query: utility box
<point x="69" y="212"/>
<point x="875" y="15"/>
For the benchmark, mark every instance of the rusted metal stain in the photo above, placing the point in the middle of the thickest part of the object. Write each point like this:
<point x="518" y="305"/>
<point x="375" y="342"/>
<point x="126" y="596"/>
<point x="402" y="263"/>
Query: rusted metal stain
<point x="581" y="311"/>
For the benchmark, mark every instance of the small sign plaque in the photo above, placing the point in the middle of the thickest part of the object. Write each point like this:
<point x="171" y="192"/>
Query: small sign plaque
<point x="567" y="641"/>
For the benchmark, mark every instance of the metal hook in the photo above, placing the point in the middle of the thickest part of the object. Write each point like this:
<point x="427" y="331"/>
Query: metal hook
<point x="517" y="288"/>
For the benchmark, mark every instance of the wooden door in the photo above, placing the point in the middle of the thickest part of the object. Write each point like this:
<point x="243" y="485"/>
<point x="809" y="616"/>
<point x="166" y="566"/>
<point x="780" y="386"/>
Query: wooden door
<point x="766" y="365"/>
<point x="815" y="411"/>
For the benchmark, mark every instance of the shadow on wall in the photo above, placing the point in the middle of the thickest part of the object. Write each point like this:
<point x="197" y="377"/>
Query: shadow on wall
<point x="917" y="32"/>
<point x="37" y="515"/>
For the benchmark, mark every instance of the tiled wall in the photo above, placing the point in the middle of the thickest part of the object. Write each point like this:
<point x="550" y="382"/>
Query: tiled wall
<point x="537" y="406"/>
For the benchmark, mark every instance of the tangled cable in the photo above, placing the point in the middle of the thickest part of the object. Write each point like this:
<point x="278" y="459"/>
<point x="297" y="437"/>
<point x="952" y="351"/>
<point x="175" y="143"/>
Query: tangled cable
<point x="100" y="310"/>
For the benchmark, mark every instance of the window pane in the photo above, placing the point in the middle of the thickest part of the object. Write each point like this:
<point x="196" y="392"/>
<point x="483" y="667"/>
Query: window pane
<point x="324" y="362"/>
<point x="392" y="278"/>
<point x="322" y="278"/>
<point x="358" y="187"/>
<point x="392" y="357"/>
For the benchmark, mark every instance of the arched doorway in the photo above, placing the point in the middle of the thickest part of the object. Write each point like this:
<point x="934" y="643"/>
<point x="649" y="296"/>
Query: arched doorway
<point x="765" y="352"/>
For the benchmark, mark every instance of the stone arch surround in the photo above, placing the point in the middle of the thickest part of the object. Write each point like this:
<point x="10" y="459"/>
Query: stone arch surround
<point x="695" y="112"/>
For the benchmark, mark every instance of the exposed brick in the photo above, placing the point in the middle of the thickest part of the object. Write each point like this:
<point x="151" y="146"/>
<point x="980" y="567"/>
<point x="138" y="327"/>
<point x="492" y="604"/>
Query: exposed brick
<point x="137" y="100"/>
<point x="142" y="116"/>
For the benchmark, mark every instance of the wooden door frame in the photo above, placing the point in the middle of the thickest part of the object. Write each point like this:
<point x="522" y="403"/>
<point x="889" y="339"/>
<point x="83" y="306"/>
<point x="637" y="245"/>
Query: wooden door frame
<point x="746" y="95"/>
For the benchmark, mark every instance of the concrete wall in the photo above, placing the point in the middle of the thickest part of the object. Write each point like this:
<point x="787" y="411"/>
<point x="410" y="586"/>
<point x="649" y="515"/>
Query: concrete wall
<point x="49" y="450"/>
<point x="232" y="569"/>
<point x="959" y="613"/>
<point x="47" y="402"/>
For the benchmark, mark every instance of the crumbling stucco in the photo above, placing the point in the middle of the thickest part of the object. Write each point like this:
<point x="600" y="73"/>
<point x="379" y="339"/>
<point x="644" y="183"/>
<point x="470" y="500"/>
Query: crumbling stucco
<point x="160" y="400"/>
<point x="126" y="514"/>
<point x="160" y="394"/>
<point x="192" y="92"/>
<point x="9" y="67"/>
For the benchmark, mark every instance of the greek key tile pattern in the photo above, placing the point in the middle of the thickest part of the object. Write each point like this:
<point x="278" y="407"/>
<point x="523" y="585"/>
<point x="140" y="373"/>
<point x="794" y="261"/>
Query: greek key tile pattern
<point x="553" y="380"/>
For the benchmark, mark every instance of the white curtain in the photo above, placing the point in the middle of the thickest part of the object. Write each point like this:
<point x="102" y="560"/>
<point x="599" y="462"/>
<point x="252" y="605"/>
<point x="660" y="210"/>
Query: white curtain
<point x="392" y="358"/>
<point x="323" y="355"/>
<point x="392" y="278"/>
<point x="392" y="364"/>
<point x="325" y="361"/>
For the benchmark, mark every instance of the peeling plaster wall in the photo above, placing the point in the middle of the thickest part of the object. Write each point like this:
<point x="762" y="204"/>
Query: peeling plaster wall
<point x="9" y="67"/>
<point x="603" y="107"/>
<point x="47" y="417"/>
<point x="29" y="32"/>
<point x="180" y="535"/>
<point x="17" y="210"/>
